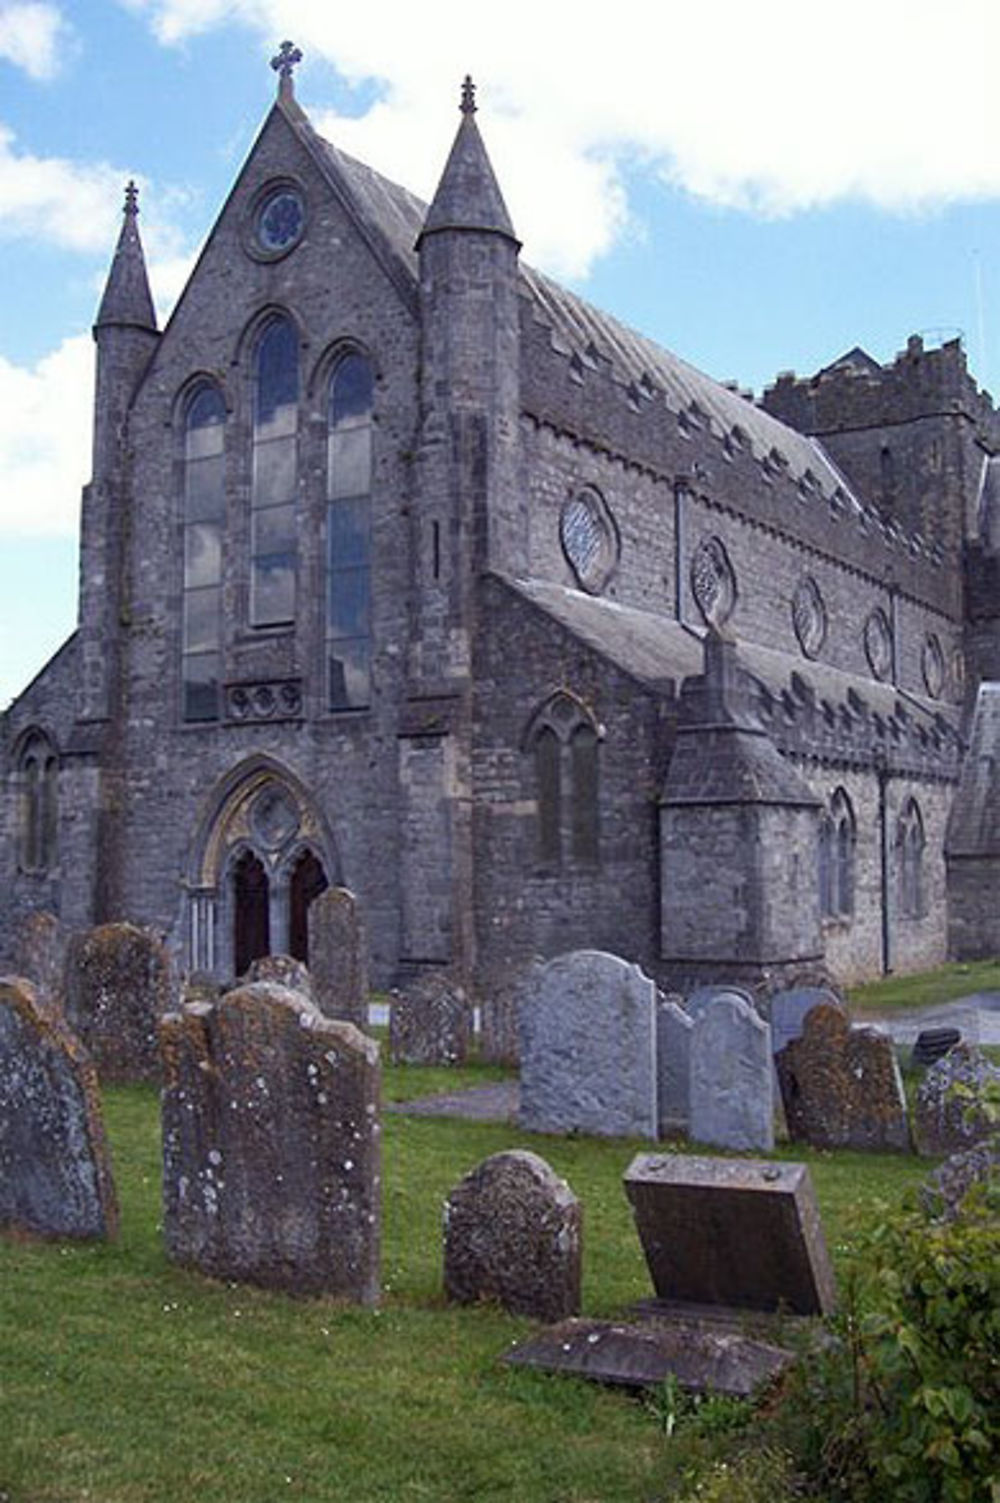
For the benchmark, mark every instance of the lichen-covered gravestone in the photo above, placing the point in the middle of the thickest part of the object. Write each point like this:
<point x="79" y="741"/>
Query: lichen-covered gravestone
<point x="948" y="1111"/>
<point x="789" y="1009"/>
<point x="338" y="955"/>
<point x="512" y="1234"/>
<point x="500" y="1010"/>
<point x="271" y="1144"/>
<point x="841" y="1086"/>
<point x="742" y="1233"/>
<point x="732" y="1092"/>
<point x="673" y="1053"/>
<point x="588" y="1048"/>
<point x="40" y="952"/>
<point x="55" y="1171"/>
<point x="430" y="1022"/>
<point x="279" y="970"/>
<point x="118" y="986"/>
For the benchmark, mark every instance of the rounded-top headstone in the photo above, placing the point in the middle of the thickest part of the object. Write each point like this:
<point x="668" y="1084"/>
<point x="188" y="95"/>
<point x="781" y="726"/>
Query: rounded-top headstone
<point x="512" y="1234"/>
<point x="279" y="970"/>
<point x="118" y="986"/>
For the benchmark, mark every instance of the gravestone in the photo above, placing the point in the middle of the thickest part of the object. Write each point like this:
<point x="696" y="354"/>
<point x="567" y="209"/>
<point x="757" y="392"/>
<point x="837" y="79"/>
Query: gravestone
<point x="588" y="1048"/>
<point x="788" y="1011"/>
<point x="732" y="1091"/>
<point x="55" y="1170"/>
<point x="278" y="970"/>
<point x="673" y="1064"/>
<point x="500" y="1011"/>
<point x="703" y="995"/>
<point x="512" y="1234"/>
<point x="946" y="1188"/>
<point x="40" y="952"/>
<point x="430" y="1022"/>
<point x="271" y="1144"/>
<point x="743" y="1233"/>
<point x="947" y="1112"/>
<point x="338" y="955"/>
<point x="933" y="1044"/>
<point x="841" y="1086"/>
<point x="118" y="986"/>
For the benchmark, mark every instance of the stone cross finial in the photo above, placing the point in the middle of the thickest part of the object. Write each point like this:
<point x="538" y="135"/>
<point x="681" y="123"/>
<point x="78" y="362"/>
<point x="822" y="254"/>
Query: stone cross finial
<point x="131" y="198"/>
<point x="283" y="63"/>
<point x="468" y="104"/>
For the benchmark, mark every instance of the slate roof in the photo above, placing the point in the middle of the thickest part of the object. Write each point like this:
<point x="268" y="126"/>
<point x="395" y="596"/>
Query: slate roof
<point x="577" y="326"/>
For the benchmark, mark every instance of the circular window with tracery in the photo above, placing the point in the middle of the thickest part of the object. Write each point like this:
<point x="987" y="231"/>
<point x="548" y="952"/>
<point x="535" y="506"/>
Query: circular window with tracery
<point x="809" y="616"/>
<point x="589" y="539"/>
<point x="277" y="221"/>
<point x="932" y="665"/>
<point x="878" y="644"/>
<point x="713" y="582"/>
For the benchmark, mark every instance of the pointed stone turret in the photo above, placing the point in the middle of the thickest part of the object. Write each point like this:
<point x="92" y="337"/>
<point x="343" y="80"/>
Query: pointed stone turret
<point x="127" y="299"/>
<point x="468" y="196"/>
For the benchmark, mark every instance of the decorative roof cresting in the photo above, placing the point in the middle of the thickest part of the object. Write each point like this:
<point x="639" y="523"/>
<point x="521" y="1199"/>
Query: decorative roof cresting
<point x="284" y="62"/>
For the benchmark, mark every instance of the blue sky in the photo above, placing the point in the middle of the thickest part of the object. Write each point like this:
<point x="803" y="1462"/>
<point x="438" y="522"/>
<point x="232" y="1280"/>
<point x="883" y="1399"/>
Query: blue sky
<point x="757" y="190"/>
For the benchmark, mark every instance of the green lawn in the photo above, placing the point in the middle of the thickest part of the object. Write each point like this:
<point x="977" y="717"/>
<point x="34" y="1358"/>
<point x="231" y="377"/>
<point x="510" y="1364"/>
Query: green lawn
<point x="926" y="987"/>
<point x="125" y="1380"/>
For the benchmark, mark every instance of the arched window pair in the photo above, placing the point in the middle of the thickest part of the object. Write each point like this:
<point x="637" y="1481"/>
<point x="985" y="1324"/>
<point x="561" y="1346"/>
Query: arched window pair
<point x="837" y="838"/>
<point x="563" y="740"/>
<point x="251" y="907"/>
<point x="910" y="845"/>
<point x="38" y="768"/>
<point x="273" y="519"/>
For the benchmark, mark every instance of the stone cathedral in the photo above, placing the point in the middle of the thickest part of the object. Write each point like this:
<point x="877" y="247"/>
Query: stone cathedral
<point x="406" y="569"/>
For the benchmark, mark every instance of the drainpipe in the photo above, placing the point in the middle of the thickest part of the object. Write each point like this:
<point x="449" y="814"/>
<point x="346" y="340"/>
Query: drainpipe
<point x="882" y="774"/>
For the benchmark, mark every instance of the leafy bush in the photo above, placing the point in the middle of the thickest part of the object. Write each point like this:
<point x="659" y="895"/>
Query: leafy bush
<point x="906" y="1405"/>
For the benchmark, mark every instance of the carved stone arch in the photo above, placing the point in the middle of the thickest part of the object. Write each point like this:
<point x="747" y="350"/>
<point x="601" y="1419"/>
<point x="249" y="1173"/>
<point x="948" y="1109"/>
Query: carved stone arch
<point x="190" y="387"/>
<point x="251" y="332"/>
<point x="262" y="808"/>
<point x="35" y="759"/>
<point x="317" y="379"/>
<point x="562" y="712"/>
<point x="562" y="738"/>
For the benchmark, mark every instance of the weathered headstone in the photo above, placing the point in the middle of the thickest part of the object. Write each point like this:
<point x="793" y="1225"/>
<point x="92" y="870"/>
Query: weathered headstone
<point x="40" y="952"/>
<point x="703" y="995"/>
<point x="118" y="986"/>
<point x="841" y="1086"/>
<point x="673" y="1060"/>
<point x="736" y="1232"/>
<point x="933" y="1044"/>
<point x="948" y="1111"/>
<point x="271" y="1144"/>
<point x="788" y="1011"/>
<point x="500" y="1011"/>
<point x="338" y="955"/>
<point x="732" y="1090"/>
<point x="55" y="1170"/>
<point x="951" y="1181"/>
<point x="512" y="1234"/>
<point x="588" y="1048"/>
<point x="430" y="1022"/>
<point x="279" y="970"/>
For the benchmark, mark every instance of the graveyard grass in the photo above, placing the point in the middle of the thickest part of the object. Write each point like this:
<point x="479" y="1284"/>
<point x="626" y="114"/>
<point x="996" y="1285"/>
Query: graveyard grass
<point x="126" y="1380"/>
<point x="945" y="984"/>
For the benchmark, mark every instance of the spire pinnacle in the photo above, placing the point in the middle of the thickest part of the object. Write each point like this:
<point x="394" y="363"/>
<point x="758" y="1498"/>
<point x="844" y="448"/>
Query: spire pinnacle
<point x="127" y="299"/>
<point x="468" y="195"/>
<point x="284" y="62"/>
<point x="468" y="104"/>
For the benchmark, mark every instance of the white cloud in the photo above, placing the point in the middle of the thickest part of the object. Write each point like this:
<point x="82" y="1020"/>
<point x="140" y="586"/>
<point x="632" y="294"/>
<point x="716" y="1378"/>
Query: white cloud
<point x="31" y="34"/>
<point x="770" y="108"/>
<point x="67" y="203"/>
<point x="45" y="434"/>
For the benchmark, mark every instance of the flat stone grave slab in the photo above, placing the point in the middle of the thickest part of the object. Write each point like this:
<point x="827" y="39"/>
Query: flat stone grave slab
<point x="743" y="1233"/>
<point x="643" y="1354"/>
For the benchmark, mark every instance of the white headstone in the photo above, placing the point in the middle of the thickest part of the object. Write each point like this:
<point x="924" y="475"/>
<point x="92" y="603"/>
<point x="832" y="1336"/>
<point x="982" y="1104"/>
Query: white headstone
<point x="732" y="1089"/>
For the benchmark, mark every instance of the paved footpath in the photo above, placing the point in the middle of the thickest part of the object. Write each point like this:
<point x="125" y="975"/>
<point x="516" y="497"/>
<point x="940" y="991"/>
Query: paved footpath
<point x="977" y="1017"/>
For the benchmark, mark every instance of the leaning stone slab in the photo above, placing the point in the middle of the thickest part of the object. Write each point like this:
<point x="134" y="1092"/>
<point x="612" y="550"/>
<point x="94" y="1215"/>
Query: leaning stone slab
<point x="588" y="1048"/>
<point x="732" y="1089"/>
<point x="55" y="1169"/>
<point x="118" y="986"/>
<point x="430" y="1022"/>
<point x="338" y="955"/>
<point x="948" y="1111"/>
<point x="642" y="1355"/>
<point x="673" y="1062"/>
<point x="788" y="1011"/>
<point x="841" y="1086"/>
<point x="40" y="952"/>
<point x="271" y="1144"/>
<point x="512" y="1234"/>
<point x="743" y="1233"/>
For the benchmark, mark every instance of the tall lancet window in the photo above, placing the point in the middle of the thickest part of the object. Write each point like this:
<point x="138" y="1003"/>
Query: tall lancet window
<point x="275" y="476"/>
<point x="348" y="528"/>
<point x="204" y="519"/>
